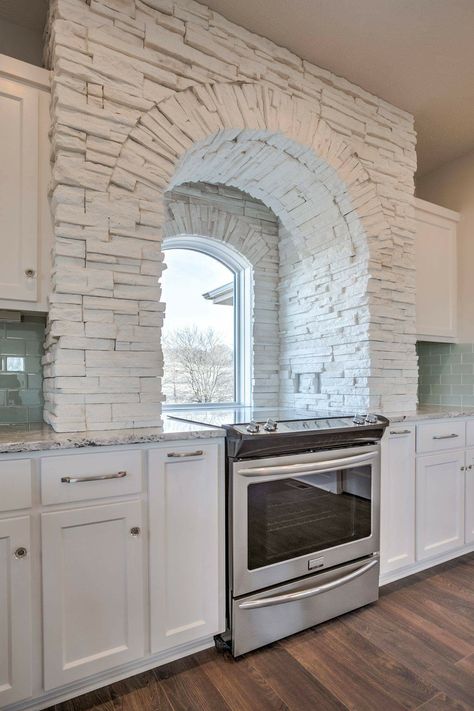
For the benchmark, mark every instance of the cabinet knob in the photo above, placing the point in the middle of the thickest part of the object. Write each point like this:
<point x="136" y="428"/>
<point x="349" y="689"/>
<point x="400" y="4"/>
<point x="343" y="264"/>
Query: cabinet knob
<point x="30" y="273"/>
<point x="135" y="531"/>
<point x="20" y="552"/>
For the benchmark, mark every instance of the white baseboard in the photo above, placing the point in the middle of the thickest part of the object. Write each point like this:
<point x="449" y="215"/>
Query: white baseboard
<point x="423" y="565"/>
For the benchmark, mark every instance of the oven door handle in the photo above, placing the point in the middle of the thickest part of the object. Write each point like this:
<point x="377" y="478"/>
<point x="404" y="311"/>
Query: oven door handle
<point x="309" y="592"/>
<point x="295" y="469"/>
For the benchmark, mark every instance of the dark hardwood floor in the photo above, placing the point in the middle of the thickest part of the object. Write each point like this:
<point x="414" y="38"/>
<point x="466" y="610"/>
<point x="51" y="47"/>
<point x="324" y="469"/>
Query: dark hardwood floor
<point x="413" y="649"/>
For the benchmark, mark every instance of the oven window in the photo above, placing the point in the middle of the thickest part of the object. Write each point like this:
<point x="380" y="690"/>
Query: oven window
<point x="291" y="517"/>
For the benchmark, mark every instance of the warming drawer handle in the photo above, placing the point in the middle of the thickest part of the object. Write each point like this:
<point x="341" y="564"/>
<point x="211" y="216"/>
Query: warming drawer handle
<point x="98" y="477"/>
<point x="449" y="436"/>
<point x="179" y="455"/>
<point x="294" y="469"/>
<point x="310" y="592"/>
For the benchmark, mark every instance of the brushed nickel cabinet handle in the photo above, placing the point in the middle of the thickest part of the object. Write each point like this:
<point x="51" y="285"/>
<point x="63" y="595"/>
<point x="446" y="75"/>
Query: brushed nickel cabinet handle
<point x="98" y="477"/>
<point x="449" y="436"/>
<point x="400" y="432"/>
<point x="179" y="455"/>
<point x="20" y="553"/>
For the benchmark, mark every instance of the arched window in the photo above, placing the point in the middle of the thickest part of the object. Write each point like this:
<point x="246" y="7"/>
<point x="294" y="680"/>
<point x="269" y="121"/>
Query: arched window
<point x="207" y="328"/>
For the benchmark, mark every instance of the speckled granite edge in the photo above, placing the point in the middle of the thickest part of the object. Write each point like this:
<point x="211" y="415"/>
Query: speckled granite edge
<point x="430" y="412"/>
<point x="43" y="438"/>
<point x="16" y="439"/>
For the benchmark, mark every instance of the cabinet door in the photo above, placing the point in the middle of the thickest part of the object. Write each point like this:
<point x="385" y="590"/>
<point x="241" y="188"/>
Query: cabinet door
<point x="439" y="503"/>
<point x="436" y="271"/>
<point x="18" y="190"/>
<point x="15" y="610"/>
<point x="92" y="590"/>
<point x="397" y="511"/>
<point x="185" y="540"/>
<point x="469" y="493"/>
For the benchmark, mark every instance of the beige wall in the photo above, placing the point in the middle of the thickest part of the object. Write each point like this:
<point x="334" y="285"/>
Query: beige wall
<point x="21" y="42"/>
<point x="452" y="186"/>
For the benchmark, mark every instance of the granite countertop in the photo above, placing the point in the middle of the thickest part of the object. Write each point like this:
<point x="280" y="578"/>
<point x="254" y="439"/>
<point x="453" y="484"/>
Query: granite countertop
<point x="430" y="412"/>
<point x="40" y="437"/>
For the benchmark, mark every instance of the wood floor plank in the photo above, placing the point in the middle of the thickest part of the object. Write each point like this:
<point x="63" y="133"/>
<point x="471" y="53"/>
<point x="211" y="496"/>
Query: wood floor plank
<point x="187" y="688"/>
<point x="240" y="684"/>
<point x="396" y="679"/>
<point x="350" y="687"/>
<point x="454" y="647"/>
<point x="441" y="702"/>
<point x="426" y="658"/>
<point x="139" y="692"/>
<point x="298" y="689"/>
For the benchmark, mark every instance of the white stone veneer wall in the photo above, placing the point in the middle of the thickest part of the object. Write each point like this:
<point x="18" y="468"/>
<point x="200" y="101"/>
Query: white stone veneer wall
<point x="251" y="230"/>
<point x="151" y="94"/>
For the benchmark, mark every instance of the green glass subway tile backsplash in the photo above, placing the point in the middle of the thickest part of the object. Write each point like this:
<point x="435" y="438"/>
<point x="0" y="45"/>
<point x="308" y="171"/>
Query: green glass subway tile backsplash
<point x="446" y="374"/>
<point x="21" y="380"/>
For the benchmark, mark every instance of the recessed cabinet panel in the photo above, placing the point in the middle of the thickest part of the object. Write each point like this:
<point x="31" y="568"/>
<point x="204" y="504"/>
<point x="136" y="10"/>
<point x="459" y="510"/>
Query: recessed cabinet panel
<point x="439" y="503"/>
<point x="18" y="191"/>
<point x="184" y="544"/>
<point x="436" y="272"/>
<point x="92" y="590"/>
<point x="397" y="515"/>
<point x="15" y="611"/>
<point x="15" y="484"/>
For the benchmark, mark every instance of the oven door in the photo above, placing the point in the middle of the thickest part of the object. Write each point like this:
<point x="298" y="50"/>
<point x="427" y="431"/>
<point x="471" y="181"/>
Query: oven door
<point x="295" y="515"/>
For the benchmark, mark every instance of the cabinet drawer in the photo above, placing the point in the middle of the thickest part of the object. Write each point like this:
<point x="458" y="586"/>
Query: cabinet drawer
<point x="438" y="436"/>
<point x="15" y="484"/>
<point x="77" y="477"/>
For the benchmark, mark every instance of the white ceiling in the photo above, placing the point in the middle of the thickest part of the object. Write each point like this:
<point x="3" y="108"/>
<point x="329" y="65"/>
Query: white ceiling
<point x="416" y="54"/>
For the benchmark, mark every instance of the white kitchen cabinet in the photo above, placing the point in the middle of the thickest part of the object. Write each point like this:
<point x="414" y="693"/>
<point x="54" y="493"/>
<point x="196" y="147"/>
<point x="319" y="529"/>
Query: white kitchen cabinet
<point x="93" y="592"/>
<point x="185" y="543"/>
<point x="15" y="610"/>
<point x="25" y="221"/>
<point x="397" y="514"/>
<point x="469" y="497"/>
<point x="436" y="272"/>
<point x="439" y="503"/>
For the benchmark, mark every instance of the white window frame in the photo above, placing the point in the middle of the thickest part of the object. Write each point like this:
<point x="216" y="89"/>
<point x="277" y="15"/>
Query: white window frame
<point x="243" y="315"/>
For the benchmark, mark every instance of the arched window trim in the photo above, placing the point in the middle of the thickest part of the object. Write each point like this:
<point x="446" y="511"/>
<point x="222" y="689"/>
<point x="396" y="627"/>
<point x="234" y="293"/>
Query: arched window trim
<point x="243" y="313"/>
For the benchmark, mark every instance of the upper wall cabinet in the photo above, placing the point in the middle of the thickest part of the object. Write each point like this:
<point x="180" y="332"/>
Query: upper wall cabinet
<point x="25" y="224"/>
<point x="436" y="272"/>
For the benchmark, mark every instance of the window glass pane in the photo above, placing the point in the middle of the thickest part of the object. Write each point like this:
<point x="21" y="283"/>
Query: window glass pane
<point x="198" y="332"/>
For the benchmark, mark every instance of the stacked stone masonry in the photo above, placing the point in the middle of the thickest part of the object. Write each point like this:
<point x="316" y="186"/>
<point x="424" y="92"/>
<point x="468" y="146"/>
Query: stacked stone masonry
<point x="148" y="95"/>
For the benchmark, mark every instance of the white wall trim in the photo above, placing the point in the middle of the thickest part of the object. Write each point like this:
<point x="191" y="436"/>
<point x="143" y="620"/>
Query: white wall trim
<point x="29" y="73"/>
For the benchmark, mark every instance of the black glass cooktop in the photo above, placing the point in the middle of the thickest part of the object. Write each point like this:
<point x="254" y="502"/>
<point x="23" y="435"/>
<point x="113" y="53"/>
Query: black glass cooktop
<point x="288" y="419"/>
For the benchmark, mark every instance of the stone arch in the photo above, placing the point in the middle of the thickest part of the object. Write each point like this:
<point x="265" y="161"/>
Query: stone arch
<point x="274" y="146"/>
<point x="277" y="148"/>
<point x="167" y="145"/>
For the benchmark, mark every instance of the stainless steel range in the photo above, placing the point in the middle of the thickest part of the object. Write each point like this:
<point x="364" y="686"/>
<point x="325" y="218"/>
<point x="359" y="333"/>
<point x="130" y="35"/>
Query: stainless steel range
<point x="303" y="499"/>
